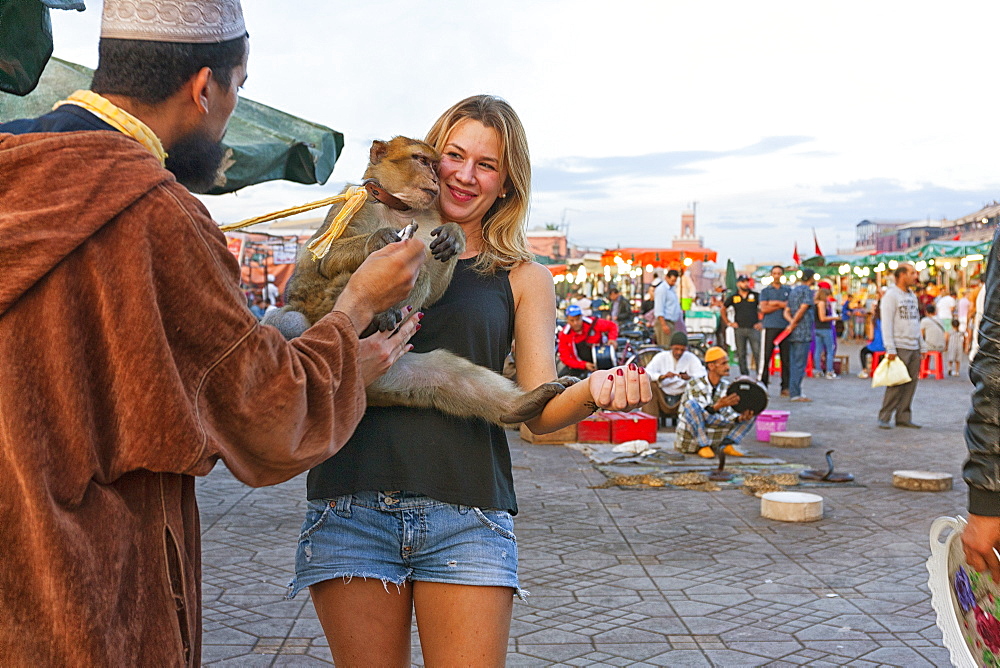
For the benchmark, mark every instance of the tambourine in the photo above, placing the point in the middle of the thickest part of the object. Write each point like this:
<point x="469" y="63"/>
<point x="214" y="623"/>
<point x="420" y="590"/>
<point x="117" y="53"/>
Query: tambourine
<point x="753" y="396"/>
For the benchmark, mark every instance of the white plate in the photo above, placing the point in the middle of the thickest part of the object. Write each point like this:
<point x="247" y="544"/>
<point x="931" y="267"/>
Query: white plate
<point x="962" y="622"/>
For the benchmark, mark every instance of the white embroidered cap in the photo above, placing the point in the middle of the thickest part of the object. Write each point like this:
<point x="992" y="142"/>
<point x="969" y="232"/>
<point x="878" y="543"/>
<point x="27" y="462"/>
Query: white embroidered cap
<point x="187" y="21"/>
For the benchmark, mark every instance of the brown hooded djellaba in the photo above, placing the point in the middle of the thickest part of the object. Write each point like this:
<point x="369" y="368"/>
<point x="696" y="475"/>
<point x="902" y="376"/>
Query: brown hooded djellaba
<point x="130" y="363"/>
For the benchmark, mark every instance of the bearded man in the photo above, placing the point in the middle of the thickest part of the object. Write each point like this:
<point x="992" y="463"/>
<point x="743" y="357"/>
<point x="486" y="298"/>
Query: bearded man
<point x="132" y="362"/>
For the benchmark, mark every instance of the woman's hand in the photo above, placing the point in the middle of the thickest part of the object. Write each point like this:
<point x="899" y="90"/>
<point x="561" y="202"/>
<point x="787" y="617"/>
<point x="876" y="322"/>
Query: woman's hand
<point x="378" y="352"/>
<point x="621" y="388"/>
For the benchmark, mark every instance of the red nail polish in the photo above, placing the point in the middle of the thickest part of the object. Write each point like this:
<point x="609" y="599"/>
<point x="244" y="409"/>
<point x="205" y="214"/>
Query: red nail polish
<point x="631" y="367"/>
<point x="611" y="377"/>
<point x="418" y="326"/>
<point x="420" y="315"/>
<point x="620" y="372"/>
<point x="409" y="308"/>
<point x="642" y="370"/>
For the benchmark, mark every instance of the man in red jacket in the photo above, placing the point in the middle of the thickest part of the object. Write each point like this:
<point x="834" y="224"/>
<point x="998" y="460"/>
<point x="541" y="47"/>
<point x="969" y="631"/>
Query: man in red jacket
<point x="577" y="338"/>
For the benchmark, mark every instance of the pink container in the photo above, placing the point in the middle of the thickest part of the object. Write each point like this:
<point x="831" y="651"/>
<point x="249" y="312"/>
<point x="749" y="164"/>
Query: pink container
<point x="770" y="421"/>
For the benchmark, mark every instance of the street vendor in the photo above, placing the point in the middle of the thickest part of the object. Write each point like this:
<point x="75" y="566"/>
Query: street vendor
<point x="131" y="360"/>
<point x="578" y="338"/>
<point x="672" y="369"/>
<point x="708" y="422"/>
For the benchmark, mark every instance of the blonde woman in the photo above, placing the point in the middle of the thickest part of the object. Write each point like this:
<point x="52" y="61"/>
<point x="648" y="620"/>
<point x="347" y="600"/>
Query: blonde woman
<point x="415" y="512"/>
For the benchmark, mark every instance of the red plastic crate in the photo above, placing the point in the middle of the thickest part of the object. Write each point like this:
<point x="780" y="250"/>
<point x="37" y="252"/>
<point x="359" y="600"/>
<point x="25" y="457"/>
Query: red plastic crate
<point x="595" y="429"/>
<point x="632" y="426"/>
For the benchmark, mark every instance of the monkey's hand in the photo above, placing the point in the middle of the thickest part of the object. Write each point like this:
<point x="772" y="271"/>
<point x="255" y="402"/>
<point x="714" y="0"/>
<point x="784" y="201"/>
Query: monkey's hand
<point x="450" y="241"/>
<point x="386" y="321"/>
<point x="531" y="404"/>
<point x="380" y="238"/>
<point x="567" y="381"/>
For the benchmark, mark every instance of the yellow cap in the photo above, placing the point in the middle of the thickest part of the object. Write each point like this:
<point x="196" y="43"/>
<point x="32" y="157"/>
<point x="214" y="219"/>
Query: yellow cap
<point x="715" y="353"/>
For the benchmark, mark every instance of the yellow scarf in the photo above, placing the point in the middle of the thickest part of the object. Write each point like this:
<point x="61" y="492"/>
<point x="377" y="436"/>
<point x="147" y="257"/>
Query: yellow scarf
<point x="117" y="118"/>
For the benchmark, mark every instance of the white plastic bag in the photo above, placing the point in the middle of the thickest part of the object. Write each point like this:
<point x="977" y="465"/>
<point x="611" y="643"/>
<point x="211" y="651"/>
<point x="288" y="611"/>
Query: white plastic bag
<point x="891" y="373"/>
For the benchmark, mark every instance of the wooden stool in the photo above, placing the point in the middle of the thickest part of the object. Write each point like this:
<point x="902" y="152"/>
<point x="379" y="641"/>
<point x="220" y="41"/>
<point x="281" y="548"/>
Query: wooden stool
<point x="921" y="481"/>
<point x="791" y="506"/>
<point x="845" y="363"/>
<point x="558" y="437"/>
<point x="791" y="439"/>
<point x="926" y="369"/>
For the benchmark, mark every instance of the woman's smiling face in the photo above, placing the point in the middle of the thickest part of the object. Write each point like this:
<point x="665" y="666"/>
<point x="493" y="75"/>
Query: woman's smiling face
<point x="470" y="172"/>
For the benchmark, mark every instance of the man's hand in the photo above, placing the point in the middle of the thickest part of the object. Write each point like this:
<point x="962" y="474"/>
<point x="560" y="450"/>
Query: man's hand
<point x="758" y="326"/>
<point x="685" y="376"/>
<point x="590" y="366"/>
<point x="745" y="416"/>
<point x="979" y="540"/>
<point x="669" y="374"/>
<point x="890" y="356"/>
<point x="728" y="400"/>
<point x="383" y="280"/>
<point x="621" y="388"/>
<point x="378" y="352"/>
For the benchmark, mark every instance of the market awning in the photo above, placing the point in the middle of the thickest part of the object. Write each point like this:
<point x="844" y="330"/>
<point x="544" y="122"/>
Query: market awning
<point x="263" y="143"/>
<point x="657" y="257"/>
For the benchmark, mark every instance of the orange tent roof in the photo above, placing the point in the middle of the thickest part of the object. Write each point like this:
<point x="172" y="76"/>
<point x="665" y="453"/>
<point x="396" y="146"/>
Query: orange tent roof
<point x="658" y="257"/>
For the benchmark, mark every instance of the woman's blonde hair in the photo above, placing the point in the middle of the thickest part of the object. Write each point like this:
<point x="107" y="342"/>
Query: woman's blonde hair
<point x="505" y="243"/>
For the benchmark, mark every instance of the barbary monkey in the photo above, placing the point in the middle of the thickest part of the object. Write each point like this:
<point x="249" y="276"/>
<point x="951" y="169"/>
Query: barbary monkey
<point x="403" y="190"/>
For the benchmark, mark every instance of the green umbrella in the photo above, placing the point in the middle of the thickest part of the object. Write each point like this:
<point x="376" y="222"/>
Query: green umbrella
<point x="263" y="144"/>
<point x="730" y="277"/>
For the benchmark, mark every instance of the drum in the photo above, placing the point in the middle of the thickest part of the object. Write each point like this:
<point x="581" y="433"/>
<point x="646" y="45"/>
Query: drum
<point x="753" y="396"/>
<point x="603" y="355"/>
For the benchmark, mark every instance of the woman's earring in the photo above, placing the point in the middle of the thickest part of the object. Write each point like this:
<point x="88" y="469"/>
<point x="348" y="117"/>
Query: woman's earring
<point x="503" y="195"/>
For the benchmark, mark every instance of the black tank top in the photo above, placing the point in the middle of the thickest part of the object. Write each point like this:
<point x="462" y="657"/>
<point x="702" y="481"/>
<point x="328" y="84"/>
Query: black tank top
<point x="457" y="460"/>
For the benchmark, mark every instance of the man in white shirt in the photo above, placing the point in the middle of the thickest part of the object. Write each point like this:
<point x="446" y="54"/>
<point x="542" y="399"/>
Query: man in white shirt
<point x="946" y="308"/>
<point x="673" y="368"/>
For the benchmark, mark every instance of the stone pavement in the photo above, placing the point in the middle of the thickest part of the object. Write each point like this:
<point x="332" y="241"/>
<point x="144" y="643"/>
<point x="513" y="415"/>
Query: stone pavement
<point x="662" y="577"/>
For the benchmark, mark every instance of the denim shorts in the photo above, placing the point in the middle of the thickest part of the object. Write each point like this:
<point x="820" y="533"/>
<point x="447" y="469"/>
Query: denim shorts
<point x="403" y="536"/>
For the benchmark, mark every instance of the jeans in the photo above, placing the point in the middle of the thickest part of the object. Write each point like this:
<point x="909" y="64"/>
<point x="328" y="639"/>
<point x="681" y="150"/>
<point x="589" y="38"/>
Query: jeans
<point x="401" y="536"/>
<point x="798" y="354"/>
<point x="824" y="341"/>
<point x="745" y="335"/>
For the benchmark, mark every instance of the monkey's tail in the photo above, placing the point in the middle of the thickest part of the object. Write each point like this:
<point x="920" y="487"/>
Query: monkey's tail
<point x="454" y="385"/>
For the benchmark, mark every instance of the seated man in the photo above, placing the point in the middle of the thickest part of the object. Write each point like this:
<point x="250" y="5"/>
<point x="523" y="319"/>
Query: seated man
<point x="577" y="338"/>
<point x="672" y="369"/>
<point x="707" y="420"/>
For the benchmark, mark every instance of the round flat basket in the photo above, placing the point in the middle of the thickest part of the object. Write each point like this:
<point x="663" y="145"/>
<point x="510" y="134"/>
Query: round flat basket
<point x="967" y="603"/>
<point x="753" y="396"/>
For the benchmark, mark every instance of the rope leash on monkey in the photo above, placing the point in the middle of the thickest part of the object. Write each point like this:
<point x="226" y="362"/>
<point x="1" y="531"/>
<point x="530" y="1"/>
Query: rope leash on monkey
<point x="354" y="198"/>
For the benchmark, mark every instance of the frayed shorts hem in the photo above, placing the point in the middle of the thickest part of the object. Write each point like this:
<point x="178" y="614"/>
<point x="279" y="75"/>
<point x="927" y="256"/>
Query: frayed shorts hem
<point x="298" y="584"/>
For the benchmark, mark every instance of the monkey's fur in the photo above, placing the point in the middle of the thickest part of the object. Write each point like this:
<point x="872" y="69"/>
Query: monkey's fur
<point x="438" y="379"/>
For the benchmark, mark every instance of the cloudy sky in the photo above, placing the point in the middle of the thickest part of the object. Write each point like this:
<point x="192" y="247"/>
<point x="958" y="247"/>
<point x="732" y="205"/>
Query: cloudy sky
<point x="775" y="117"/>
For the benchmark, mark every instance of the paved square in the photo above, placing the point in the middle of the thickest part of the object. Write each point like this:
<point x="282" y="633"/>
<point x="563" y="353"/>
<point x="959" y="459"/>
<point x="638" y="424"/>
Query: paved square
<point x="656" y="577"/>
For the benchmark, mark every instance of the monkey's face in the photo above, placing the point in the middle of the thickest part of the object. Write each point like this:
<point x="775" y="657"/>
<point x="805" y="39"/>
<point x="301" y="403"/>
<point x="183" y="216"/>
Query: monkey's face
<point x="406" y="168"/>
